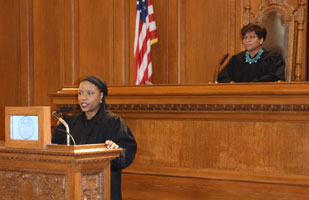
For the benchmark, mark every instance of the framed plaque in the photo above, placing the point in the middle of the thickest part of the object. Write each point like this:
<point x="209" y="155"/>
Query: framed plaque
<point x="27" y="127"/>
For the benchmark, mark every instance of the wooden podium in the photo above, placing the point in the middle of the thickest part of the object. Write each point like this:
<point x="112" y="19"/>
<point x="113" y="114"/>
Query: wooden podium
<point x="59" y="172"/>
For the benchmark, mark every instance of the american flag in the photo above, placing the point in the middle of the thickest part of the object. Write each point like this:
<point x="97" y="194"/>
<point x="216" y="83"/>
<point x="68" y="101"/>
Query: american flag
<point x="145" y="36"/>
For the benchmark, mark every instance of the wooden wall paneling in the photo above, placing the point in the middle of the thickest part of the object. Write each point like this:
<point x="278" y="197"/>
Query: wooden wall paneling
<point x="119" y="31"/>
<point x="184" y="188"/>
<point x="159" y="50"/>
<point x="302" y="28"/>
<point x="173" y="41"/>
<point x="10" y="58"/>
<point x="69" y="72"/>
<point x="204" y="39"/>
<point x="131" y="8"/>
<point x="307" y="42"/>
<point x="96" y="38"/>
<point x="231" y="23"/>
<point x="48" y="48"/>
<point x="269" y="153"/>
<point x="10" y="51"/>
<point x="237" y="15"/>
<point x="234" y="16"/>
<point x="259" y="148"/>
<point x="26" y="53"/>
<point x="128" y="37"/>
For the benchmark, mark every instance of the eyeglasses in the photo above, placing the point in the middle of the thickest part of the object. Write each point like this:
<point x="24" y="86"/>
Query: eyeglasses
<point x="250" y="37"/>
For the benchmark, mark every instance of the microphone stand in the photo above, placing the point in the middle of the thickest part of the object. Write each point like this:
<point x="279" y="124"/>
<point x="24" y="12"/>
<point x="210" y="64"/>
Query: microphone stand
<point x="65" y="125"/>
<point x="61" y="130"/>
<point x="218" y="67"/>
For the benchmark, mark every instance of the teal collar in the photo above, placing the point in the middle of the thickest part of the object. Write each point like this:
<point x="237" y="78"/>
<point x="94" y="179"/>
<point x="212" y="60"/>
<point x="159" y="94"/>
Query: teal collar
<point x="256" y="57"/>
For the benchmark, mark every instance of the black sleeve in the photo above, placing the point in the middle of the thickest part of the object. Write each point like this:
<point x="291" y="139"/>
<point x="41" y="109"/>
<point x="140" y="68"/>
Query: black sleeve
<point x="119" y="133"/>
<point x="226" y="75"/>
<point x="275" y="70"/>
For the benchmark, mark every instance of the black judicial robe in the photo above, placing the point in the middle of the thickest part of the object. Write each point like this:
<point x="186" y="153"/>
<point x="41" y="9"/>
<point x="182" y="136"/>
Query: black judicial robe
<point x="270" y="67"/>
<point x="105" y="125"/>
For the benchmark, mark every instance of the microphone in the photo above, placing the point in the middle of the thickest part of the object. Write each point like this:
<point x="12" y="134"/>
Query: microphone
<point x="218" y="67"/>
<point x="61" y="130"/>
<point x="61" y="110"/>
<point x="64" y="110"/>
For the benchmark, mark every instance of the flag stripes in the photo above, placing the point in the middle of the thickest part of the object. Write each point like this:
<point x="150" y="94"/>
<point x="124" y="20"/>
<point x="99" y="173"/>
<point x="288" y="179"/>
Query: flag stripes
<point x="145" y="36"/>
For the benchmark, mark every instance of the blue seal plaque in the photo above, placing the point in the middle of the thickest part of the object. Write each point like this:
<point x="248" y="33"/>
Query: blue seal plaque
<point x="26" y="127"/>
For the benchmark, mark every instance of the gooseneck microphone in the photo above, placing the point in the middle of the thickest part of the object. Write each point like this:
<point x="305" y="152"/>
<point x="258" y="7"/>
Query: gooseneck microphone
<point x="218" y="67"/>
<point x="67" y="133"/>
<point x="63" y="110"/>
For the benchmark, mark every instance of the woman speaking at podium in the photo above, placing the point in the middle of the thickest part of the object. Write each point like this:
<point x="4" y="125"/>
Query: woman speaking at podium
<point x="255" y="64"/>
<point x="95" y="124"/>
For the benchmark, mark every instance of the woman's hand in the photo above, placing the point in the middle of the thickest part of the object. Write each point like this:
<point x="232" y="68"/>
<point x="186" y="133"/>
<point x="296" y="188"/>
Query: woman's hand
<point x="111" y="145"/>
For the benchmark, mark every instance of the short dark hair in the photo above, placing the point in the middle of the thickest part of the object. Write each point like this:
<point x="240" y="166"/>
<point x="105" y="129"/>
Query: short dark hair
<point x="259" y="30"/>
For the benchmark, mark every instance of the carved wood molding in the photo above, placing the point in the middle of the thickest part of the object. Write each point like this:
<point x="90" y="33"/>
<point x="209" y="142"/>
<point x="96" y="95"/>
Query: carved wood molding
<point x="208" y="107"/>
<point x="92" y="185"/>
<point x="205" y="107"/>
<point x="70" y="157"/>
<point x="267" y="5"/>
<point x="19" y="184"/>
<point x="31" y="185"/>
<point x="49" y="160"/>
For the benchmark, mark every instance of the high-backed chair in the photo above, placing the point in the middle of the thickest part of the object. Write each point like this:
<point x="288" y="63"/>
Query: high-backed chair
<point x="285" y="26"/>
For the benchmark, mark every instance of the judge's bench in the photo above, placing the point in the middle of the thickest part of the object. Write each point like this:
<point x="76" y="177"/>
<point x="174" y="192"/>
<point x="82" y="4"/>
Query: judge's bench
<point x="214" y="141"/>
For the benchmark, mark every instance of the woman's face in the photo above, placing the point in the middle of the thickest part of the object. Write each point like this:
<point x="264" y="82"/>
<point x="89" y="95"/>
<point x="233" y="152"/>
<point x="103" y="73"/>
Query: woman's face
<point x="252" y="42"/>
<point x="89" y="97"/>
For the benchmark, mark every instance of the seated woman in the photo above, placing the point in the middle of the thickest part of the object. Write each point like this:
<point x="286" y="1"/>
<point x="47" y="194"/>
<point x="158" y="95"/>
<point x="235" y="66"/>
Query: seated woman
<point x="255" y="64"/>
